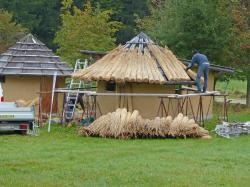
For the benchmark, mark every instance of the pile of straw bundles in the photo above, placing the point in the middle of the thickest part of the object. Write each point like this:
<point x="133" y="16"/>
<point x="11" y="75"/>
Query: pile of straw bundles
<point x="27" y="103"/>
<point x="124" y="124"/>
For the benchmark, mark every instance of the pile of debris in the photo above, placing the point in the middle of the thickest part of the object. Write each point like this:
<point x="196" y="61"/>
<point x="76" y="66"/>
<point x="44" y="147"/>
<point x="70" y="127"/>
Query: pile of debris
<point x="228" y="130"/>
<point x="125" y="125"/>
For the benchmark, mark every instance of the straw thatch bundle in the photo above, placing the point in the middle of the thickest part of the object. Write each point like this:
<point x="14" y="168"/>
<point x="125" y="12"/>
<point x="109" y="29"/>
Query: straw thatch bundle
<point x="184" y="127"/>
<point x="27" y="103"/>
<point x="124" y="124"/>
<point x="139" y="60"/>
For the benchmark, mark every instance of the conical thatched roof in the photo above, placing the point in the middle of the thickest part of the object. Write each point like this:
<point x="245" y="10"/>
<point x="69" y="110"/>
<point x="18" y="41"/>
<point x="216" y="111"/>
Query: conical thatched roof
<point x="139" y="60"/>
<point x="29" y="56"/>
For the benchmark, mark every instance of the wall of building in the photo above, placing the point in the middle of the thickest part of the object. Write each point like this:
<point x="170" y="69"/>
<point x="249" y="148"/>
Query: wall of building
<point x="28" y="88"/>
<point x="17" y="87"/>
<point x="148" y="106"/>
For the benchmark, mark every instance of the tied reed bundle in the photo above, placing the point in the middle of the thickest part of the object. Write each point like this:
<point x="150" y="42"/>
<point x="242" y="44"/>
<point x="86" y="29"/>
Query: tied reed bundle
<point x="125" y="125"/>
<point x="151" y="64"/>
<point x="27" y="103"/>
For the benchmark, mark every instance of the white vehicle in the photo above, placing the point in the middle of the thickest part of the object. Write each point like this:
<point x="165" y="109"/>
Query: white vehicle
<point x="15" y="118"/>
<point x="1" y="94"/>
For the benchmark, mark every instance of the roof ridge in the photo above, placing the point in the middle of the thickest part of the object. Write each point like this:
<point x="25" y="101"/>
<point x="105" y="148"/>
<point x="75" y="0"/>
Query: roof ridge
<point x="141" y="38"/>
<point x="29" y="38"/>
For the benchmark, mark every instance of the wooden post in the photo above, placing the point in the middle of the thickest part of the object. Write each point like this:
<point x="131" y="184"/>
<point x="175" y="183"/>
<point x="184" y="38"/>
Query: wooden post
<point x="225" y="117"/>
<point x="248" y="91"/>
<point x="52" y="99"/>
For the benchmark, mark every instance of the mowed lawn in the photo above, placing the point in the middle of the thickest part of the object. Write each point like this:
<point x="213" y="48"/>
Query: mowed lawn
<point x="62" y="158"/>
<point x="235" y="88"/>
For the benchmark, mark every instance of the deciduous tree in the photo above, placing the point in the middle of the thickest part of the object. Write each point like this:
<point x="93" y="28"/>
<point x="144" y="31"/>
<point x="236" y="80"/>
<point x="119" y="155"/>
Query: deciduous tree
<point x="124" y="11"/>
<point x="220" y="29"/>
<point x="9" y="30"/>
<point x="86" y="28"/>
<point x="185" y="25"/>
<point x="240" y="45"/>
<point x="41" y="17"/>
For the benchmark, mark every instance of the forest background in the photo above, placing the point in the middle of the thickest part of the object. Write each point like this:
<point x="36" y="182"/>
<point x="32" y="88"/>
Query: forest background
<point x="219" y="28"/>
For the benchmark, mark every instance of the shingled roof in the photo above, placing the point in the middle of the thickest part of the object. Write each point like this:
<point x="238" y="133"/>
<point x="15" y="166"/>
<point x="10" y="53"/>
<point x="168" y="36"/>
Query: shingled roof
<point x="139" y="60"/>
<point x="29" y="56"/>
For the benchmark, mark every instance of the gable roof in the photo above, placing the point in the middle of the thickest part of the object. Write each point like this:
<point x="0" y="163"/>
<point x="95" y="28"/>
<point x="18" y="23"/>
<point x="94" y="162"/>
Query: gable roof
<point x="29" y="56"/>
<point x="139" y="60"/>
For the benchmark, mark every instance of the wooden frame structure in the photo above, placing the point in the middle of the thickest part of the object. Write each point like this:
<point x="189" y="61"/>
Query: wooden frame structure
<point x="183" y="100"/>
<point x="183" y="103"/>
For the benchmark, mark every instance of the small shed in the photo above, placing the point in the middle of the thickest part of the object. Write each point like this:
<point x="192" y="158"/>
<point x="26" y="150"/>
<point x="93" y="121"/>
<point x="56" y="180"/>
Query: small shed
<point x="140" y="66"/>
<point x="27" y="70"/>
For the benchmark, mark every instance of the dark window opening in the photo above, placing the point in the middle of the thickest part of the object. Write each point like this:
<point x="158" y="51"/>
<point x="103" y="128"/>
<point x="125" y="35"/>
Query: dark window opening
<point x="111" y="86"/>
<point x="178" y="89"/>
<point x="2" y="79"/>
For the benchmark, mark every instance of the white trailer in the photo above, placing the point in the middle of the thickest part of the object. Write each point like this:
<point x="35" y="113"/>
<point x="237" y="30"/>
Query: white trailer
<point x="14" y="118"/>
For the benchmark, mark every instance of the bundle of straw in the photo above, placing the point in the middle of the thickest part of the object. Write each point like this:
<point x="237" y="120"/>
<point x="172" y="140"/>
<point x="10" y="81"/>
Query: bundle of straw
<point x="184" y="127"/>
<point x="27" y="103"/>
<point x="125" y="125"/>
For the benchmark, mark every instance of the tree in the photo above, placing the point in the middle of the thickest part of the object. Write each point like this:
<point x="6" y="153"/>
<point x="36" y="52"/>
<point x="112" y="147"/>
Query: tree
<point x="240" y="44"/>
<point x="127" y="11"/>
<point x="9" y="30"/>
<point x="185" y="25"/>
<point x="217" y="28"/>
<point x="124" y="11"/>
<point x="84" y="29"/>
<point x="41" y="17"/>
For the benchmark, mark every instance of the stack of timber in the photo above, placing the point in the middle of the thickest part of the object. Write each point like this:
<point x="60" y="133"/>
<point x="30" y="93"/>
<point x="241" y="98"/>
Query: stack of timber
<point x="125" y="125"/>
<point x="139" y="60"/>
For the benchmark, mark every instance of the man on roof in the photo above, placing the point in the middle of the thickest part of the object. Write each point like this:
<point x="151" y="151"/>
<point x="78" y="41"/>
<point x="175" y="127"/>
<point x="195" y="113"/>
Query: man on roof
<point x="203" y="65"/>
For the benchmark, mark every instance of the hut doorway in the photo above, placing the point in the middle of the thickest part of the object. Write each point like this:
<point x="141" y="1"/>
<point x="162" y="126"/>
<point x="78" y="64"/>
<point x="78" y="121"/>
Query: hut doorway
<point x="45" y="87"/>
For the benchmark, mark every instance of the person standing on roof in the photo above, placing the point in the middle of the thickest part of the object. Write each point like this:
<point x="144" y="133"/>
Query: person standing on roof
<point x="203" y="65"/>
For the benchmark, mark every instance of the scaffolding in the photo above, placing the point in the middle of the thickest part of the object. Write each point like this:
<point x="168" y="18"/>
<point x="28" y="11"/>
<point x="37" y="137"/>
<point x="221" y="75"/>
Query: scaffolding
<point x="183" y="102"/>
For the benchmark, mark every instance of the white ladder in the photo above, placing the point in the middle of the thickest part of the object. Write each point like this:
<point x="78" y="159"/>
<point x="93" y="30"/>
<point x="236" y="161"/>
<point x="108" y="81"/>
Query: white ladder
<point x="71" y="98"/>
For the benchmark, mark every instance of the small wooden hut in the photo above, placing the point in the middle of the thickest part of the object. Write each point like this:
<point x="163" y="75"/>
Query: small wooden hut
<point x="27" y="70"/>
<point x="140" y="66"/>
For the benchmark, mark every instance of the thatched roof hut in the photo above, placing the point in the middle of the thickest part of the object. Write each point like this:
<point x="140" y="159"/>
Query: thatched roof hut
<point x="143" y="67"/>
<point x="27" y="69"/>
<point x="139" y="60"/>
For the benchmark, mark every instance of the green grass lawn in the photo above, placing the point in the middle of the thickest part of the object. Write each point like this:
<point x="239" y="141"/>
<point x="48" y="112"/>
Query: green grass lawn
<point x="62" y="158"/>
<point x="236" y="113"/>
<point x="236" y="88"/>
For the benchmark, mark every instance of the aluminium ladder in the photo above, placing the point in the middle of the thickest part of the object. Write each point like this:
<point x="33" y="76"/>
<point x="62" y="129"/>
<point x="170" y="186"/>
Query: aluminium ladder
<point x="72" y="98"/>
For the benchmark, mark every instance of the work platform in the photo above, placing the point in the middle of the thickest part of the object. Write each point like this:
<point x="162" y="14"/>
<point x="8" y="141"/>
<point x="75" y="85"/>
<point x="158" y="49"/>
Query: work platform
<point x="166" y="101"/>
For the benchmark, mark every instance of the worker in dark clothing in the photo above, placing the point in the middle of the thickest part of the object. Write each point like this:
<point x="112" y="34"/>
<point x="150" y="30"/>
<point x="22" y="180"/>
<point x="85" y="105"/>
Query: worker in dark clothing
<point x="203" y="65"/>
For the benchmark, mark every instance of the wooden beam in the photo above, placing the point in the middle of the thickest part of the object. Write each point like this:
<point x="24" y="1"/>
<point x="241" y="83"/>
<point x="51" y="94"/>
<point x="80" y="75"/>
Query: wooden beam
<point x="92" y="93"/>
